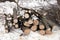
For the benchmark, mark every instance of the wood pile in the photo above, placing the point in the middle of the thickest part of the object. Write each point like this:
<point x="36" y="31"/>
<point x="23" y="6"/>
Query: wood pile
<point x="43" y="25"/>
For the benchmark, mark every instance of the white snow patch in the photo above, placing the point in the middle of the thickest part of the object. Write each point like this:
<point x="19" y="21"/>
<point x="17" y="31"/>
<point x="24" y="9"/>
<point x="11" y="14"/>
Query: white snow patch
<point x="7" y="7"/>
<point x="35" y="4"/>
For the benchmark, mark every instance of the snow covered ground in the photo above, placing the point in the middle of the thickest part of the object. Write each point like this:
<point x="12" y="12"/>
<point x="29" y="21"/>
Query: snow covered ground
<point x="36" y="4"/>
<point x="15" y="35"/>
<point x="7" y="7"/>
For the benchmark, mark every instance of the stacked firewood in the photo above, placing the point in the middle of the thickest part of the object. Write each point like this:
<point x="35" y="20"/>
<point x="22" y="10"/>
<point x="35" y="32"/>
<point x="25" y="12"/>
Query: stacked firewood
<point x="27" y="23"/>
<point x="8" y="23"/>
<point x="35" y="24"/>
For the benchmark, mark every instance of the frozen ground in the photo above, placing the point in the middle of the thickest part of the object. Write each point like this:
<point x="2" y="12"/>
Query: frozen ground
<point x="7" y="7"/>
<point x="15" y="35"/>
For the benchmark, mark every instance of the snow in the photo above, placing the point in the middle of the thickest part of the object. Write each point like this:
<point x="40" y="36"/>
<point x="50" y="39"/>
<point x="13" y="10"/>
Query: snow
<point x="35" y="4"/>
<point x="7" y="7"/>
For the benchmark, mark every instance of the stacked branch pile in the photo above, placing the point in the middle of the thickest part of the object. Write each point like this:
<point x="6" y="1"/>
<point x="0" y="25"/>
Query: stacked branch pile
<point x="27" y="23"/>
